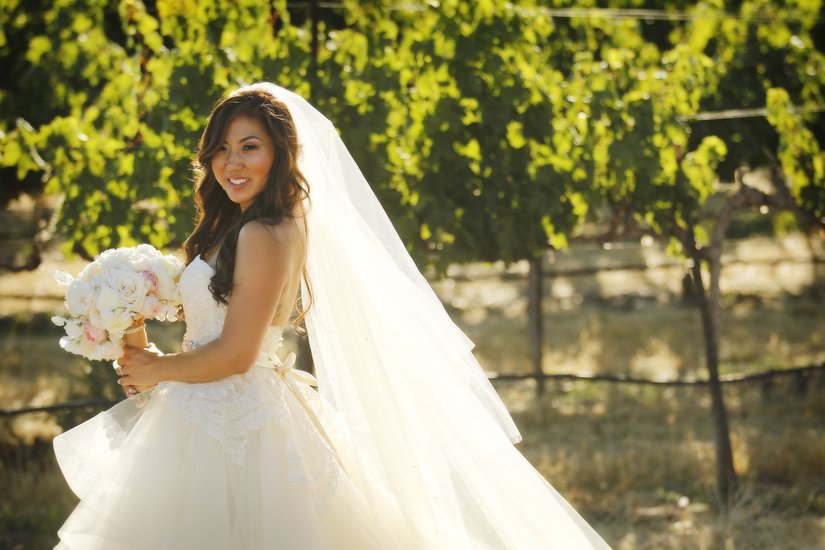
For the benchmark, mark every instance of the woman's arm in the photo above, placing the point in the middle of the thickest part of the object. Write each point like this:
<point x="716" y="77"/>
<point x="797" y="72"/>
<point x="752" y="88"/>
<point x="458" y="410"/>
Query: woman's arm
<point x="265" y="259"/>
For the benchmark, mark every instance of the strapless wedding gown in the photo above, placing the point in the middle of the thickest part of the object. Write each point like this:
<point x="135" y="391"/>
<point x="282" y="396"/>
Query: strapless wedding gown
<point x="247" y="462"/>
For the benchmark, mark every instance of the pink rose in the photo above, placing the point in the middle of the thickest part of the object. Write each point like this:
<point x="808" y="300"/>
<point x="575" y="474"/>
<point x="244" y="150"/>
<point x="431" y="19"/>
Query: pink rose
<point x="151" y="280"/>
<point x="151" y="308"/>
<point x="92" y="333"/>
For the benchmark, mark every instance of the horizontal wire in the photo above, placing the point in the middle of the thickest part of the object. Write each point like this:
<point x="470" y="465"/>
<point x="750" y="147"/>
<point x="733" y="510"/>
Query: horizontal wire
<point x="662" y="15"/>
<point x="603" y="13"/>
<point x="746" y="113"/>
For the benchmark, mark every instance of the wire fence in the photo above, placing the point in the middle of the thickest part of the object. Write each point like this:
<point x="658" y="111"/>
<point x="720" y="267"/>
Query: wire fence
<point x="767" y="375"/>
<point x="636" y="14"/>
<point x="626" y="379"/>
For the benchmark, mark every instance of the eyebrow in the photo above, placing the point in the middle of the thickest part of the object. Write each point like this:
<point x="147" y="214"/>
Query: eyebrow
<point x="246" y="138"/>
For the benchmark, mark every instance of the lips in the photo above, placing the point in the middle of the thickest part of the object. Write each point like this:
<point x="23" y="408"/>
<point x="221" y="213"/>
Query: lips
<point x="237" y="182"/>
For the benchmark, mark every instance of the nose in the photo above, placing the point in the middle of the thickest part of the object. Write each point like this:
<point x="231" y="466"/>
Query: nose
<point x="233" y="159"/>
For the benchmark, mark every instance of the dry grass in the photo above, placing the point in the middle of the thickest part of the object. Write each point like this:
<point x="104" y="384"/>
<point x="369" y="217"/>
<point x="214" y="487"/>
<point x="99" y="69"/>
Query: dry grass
<point x="638" y="462"/>
<point x="35" y="499"/>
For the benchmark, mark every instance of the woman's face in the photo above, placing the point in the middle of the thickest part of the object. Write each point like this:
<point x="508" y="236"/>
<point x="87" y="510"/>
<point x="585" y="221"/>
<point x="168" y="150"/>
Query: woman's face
<point x="244" y="159"/>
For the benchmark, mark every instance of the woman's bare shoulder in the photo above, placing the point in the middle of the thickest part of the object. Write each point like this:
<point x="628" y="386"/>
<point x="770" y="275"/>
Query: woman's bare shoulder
<point x="262" y="236"/>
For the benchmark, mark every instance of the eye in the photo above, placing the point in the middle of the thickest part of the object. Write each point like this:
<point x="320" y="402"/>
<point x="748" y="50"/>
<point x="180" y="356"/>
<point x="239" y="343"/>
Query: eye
<point x="249" y="147"/>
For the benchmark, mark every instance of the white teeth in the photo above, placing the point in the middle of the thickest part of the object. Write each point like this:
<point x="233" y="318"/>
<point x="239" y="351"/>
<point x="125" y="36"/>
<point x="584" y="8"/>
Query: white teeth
<point x="239" y="181"/>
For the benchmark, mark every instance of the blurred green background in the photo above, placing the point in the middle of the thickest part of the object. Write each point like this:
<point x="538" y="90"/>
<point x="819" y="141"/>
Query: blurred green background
<point x="556" y="168"/>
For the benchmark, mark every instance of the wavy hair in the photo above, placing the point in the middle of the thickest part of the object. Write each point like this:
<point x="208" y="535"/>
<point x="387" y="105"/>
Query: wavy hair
<point x="219" y="220"/>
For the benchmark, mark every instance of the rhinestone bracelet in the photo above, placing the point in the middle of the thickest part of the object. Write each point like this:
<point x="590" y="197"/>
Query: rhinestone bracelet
<point x="133" y="330"/>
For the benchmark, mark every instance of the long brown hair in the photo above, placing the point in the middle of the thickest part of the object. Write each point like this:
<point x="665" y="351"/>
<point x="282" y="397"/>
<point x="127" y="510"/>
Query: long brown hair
<point x="219" y="220"/>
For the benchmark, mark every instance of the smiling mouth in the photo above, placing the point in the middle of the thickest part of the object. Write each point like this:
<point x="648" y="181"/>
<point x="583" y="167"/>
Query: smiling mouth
<point x="237" y="182"/>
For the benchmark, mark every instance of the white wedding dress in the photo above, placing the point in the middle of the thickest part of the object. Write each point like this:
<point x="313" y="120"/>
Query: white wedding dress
<point x="259" y="461"/>
<point x="246" y="462"/>
<point x="405" y="445"/>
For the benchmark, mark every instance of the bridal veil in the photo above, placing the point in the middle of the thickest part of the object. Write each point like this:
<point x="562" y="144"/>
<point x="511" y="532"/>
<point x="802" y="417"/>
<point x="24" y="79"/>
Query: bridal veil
<point x="426" y="437"/>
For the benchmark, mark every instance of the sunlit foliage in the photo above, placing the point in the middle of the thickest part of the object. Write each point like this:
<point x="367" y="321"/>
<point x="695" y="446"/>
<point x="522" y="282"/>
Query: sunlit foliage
<point x="490" y="130"/>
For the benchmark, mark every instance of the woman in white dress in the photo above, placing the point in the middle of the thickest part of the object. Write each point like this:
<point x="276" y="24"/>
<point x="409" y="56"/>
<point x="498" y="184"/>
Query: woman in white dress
<point x="404" y="444"/>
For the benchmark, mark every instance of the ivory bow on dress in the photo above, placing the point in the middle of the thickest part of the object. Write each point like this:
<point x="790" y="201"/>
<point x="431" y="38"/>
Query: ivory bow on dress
<point x="286" y="369"/>
<point x="292" y="377"/>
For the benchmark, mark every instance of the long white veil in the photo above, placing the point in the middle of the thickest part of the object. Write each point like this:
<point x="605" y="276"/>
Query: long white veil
<point x="426" y="437"/>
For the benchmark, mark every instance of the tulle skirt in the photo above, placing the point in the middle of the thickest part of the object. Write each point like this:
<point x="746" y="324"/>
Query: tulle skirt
<point x="248" y="462"/>
<point x="260" y="461"/>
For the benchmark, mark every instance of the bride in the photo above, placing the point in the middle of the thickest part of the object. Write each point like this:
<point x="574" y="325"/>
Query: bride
<point x="404" y="444"/>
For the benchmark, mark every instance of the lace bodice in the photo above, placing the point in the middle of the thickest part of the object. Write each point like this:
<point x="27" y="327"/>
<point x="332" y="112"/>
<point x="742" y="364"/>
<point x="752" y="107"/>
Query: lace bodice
<point x="205" y="316"/>
<point x="231" y="408"/>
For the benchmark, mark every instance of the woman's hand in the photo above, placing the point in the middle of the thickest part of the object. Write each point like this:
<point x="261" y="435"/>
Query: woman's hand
<point x="138" y="369"/>
<point x="129" y="390"/>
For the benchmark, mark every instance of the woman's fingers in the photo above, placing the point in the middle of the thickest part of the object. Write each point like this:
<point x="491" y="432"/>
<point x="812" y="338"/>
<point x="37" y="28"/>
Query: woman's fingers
<point x="136" y="368"/>
<point x="129" y="355"/>
<point x="137" y="356"/>
<point x="118" y="365"/>
<point x="129" y="351"/>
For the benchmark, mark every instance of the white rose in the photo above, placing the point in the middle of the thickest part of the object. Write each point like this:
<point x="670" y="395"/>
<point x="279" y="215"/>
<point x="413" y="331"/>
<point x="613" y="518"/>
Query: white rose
<point x="174" y="262"/>
<point x="130" y="286"/>
<point x="80" y="346"/>
<point x="141" y="263"/>
<point x="168" y="275"/>
<point x="94" y="279"/>
<point x="108" y="303"/>
<point x="142" y="256"/>
<point x="120" y="258"/>
<point x="148" y="250"/>
<point x="110" y="258"/>
<point x="95" y="317"/>
<point x="107" y="351"/>
<point x="90" y="271"/>
<point x="79" y="297"/>
<point x="119" y="323"/>
<point x="74" y="328"/>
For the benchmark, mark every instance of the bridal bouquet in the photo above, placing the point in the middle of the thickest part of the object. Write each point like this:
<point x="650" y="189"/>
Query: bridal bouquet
<point x="119" y="289"/>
